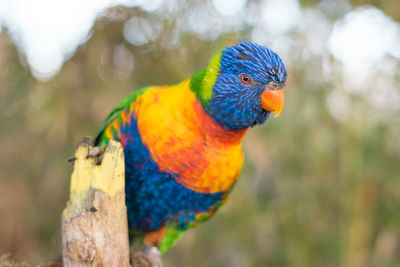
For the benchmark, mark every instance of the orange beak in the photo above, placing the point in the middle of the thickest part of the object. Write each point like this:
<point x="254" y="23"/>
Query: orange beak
<point x="272" y="100"/>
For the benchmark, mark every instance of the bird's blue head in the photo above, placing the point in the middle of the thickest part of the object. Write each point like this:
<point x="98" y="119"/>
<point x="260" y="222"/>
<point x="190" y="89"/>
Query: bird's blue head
<point x="242" y="85"/>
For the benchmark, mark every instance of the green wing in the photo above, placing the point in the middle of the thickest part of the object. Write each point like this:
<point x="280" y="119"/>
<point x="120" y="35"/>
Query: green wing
<point x="101" y="140"/>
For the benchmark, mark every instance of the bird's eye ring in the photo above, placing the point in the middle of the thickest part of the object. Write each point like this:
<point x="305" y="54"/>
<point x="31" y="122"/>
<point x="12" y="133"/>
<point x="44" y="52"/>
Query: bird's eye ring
<point x="245" y="78"/>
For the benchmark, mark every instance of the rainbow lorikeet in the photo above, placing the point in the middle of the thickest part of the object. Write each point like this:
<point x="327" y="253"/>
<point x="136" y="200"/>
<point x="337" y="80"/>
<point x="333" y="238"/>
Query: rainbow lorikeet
<point x="182" y="143"/>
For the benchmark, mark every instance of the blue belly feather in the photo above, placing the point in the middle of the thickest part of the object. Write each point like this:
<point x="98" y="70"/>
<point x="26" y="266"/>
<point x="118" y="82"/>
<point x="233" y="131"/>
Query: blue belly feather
<point x="154" y="197"/>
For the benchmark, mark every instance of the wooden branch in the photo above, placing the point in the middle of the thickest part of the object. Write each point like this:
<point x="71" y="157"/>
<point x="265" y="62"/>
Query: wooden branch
<point x="94" y="222"/>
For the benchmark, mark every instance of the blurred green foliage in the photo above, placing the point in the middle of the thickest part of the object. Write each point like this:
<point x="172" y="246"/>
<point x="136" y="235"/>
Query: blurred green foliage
<point x="316" y="190"/>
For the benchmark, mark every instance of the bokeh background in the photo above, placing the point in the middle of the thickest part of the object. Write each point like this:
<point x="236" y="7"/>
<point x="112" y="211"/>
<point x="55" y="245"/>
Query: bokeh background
<point x="320" y="184"/>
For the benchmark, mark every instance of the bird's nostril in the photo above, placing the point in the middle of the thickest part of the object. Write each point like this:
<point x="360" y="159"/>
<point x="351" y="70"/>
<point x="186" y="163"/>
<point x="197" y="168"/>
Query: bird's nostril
<point x="274" y="86"/>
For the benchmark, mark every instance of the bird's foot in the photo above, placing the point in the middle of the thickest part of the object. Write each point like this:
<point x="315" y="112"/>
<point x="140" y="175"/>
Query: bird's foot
<point x="152" y="250"/>
<point x="150" y="258"/>
<point x="93" y="152"/>
<point x="96" y="153"/>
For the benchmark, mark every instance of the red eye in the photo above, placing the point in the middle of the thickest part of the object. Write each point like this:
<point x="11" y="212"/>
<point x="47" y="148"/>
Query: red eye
<point x="245" y="78"/>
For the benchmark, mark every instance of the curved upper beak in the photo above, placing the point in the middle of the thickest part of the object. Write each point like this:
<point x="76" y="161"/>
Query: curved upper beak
<point x="272" y="100"/>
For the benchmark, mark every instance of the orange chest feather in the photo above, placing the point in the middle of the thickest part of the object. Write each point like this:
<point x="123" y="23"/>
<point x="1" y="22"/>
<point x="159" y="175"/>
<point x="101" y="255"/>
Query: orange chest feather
<point x="184" y="140"/>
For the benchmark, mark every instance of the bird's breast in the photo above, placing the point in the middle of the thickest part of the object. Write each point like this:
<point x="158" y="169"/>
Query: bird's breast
<point x="182" y="139"/>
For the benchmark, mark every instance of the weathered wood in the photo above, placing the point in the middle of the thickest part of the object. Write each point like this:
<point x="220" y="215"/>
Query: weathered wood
<point x="94" y="222"/>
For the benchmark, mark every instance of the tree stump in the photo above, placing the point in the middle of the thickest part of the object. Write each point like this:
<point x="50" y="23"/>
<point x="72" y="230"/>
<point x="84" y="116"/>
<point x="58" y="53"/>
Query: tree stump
<point x="94" y="225"/>
<point x="94" y="222"/>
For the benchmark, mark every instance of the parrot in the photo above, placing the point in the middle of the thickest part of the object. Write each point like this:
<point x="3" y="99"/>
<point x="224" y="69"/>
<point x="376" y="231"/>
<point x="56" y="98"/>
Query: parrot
<point x="183" y="143"/>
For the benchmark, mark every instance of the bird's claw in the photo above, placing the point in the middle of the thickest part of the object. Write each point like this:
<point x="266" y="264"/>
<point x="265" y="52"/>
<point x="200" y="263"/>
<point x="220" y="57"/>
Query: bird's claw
<point x="96" y="153"/>
<point x="151" y="257"/>
<point x="152" y="250"/>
